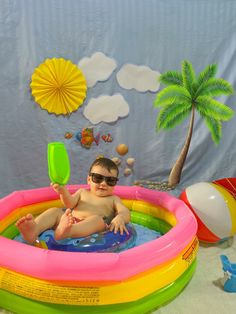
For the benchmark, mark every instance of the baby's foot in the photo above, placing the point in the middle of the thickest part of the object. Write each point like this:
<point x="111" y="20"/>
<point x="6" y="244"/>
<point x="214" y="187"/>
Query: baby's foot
<point x="63" y="229"/>
<point x="28" y="228"/>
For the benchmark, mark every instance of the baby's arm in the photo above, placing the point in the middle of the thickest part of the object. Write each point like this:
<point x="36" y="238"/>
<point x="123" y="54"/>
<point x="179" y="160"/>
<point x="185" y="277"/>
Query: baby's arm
<point x="69" y="201"/>
<point x="122" y="217"/>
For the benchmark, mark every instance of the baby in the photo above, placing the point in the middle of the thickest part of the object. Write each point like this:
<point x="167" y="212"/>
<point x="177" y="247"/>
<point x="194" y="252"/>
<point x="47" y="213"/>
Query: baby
<point x="88" y="211"/>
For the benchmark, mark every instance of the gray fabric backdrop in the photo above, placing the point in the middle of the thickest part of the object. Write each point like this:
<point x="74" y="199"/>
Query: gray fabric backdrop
<point x="155" y="33"/>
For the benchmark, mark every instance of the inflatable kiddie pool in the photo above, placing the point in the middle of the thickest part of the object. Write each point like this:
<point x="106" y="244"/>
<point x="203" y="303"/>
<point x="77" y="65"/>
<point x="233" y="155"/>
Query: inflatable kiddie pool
<point x="137" y="280"/>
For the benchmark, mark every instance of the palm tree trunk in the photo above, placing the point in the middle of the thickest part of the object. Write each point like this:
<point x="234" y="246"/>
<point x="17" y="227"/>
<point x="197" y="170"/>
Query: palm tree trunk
<point x="175" y="174"/>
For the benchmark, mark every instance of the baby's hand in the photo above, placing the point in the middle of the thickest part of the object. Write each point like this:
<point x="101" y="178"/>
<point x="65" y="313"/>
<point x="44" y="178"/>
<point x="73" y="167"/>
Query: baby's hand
<point x="58" y="188"/>
<point x="118" y="224"/>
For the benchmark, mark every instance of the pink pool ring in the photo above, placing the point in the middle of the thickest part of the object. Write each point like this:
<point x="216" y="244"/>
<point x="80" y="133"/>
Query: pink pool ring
<point x="137" y="280"/>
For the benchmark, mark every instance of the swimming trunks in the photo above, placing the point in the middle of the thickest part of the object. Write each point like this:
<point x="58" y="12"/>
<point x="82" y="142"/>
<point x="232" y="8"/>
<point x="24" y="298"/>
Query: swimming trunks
<point x="107" y="219"/>
<point x="77" y="220"/>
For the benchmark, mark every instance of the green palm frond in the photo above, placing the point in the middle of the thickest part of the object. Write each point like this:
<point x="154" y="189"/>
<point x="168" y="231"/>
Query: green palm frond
<point x="172" y="115"/>
<point x="215" y="128"/>
<point x="211" y="108"/>
<point x="214" y="87"/>
<point x="184" y="90"/>
<point x="188" y="75"/>
<point x="172" y="94"/>
<point x="206" y="74"/>
<point x="171" y="78"/>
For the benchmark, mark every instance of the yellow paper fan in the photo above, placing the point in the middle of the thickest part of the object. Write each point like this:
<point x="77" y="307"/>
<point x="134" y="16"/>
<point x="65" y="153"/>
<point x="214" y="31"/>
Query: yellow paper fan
<point x="58" y="86"/>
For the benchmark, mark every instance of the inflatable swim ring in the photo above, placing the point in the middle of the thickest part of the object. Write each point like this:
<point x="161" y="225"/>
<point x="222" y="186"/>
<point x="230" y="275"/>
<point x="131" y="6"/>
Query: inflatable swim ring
<point x="106" y="241"/>
<point x="138" y="280"/>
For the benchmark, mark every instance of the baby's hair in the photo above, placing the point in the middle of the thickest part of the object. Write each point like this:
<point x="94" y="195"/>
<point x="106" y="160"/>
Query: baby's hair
<point x="105" y="163"/>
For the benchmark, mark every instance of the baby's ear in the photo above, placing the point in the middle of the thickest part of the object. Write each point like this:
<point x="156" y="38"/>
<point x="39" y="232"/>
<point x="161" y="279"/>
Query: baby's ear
<point x="88" y="179"/>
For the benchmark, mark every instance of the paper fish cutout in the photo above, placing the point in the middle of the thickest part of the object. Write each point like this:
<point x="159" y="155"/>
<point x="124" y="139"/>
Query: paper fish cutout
<point x="86" y="137"/>
<point x="107" y="138"/>
<point x="68" y="135"/>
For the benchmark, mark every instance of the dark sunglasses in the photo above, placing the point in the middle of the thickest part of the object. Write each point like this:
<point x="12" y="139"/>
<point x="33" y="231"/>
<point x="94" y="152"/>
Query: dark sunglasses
<point x="98" y="178"/>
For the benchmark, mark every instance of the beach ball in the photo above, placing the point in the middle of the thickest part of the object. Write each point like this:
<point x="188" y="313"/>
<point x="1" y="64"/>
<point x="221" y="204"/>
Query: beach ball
<point x="215" y="209"/>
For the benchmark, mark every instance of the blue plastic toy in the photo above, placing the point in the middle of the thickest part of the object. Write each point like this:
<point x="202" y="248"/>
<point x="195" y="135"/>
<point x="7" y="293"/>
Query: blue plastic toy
<point x="106" y="241"/>
<point x="229" y="274"/>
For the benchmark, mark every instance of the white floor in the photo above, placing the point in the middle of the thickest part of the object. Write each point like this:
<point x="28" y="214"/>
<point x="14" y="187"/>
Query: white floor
<point x="204" y="293"/>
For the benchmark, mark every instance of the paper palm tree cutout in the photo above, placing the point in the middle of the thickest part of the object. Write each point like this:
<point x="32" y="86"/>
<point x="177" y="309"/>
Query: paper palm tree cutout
<point x="186" y="93"/>
<point x="58" y="86"/>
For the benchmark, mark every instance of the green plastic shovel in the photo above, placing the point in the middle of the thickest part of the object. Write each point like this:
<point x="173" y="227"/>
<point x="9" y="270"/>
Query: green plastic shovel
<point x="58" y="163"/>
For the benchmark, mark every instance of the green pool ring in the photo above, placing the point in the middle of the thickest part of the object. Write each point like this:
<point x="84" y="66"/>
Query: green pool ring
<point x="58" y="163"/>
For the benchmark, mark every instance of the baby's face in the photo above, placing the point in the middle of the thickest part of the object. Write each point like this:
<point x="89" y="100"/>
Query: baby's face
<point x="99" y="180"/>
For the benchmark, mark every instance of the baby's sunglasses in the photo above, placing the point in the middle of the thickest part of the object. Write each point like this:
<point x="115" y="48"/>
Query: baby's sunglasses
<point x="98" y="178"/>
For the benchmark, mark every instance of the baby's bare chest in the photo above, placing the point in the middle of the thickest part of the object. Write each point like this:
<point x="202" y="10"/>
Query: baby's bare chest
<point x="97" y="206"/>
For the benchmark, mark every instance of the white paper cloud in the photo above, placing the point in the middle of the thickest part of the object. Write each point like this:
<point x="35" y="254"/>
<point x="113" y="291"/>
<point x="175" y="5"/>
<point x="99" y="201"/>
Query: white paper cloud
<point x="141" y="78"/>
<point x="98" y="67"/>
<point x="106" y="109"/>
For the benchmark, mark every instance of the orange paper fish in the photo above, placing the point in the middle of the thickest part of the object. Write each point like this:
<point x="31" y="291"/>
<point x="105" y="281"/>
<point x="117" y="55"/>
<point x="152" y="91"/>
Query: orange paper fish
<point x="86" y="137"/>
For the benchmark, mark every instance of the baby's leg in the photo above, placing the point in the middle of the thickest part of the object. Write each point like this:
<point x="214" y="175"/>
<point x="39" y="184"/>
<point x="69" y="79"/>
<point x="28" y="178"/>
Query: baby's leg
<point x="63" y="229"/>
<point x="84" y="228"/>
<point x="30" y="228"/>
